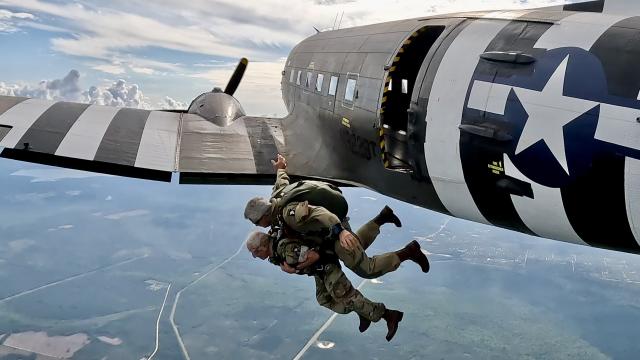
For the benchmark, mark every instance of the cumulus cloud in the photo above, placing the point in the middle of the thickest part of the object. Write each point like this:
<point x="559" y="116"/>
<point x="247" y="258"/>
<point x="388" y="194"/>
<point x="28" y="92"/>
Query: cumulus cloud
<point x="119" y="93"/>
<point x="66" y="88"/>
<point x="170" y="104"/>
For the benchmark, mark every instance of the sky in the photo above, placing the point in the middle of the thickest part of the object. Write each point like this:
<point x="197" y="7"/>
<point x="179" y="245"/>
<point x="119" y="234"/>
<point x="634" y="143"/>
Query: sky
<point x="164" y="53"/>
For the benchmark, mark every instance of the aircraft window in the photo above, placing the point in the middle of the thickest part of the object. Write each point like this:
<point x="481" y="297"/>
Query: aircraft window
<point x="319" y="82"/>
<point x="333" y="85"/>
<point x="405" y="86"/>
<point x="298" y="79"/>
<point x="350" y="90"/>
<point x="308" y="82"/>
<point x="293" y="72"/>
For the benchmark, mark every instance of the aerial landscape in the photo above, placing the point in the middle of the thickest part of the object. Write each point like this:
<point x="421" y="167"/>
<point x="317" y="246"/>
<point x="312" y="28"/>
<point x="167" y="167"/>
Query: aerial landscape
<point x="99" y="266"/>
<point x="85" y="275"/>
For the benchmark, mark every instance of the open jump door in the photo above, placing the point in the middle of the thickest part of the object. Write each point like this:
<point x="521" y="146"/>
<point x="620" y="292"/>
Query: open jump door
<point x="396" y="99"/>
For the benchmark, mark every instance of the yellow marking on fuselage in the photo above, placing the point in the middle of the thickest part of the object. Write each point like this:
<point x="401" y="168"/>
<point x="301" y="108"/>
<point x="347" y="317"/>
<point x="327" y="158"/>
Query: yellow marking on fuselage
<point x="496" y="167"/>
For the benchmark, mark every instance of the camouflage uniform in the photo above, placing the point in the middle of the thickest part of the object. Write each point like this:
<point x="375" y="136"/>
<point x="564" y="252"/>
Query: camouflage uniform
<point x="314" y="224"/>
<point x="359" y="262"/>
<point x="333" y="289"/>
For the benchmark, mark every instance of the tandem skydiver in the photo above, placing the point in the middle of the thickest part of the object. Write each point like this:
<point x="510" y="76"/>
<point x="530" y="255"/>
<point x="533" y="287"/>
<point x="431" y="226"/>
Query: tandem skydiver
<point x="315" y="213"/>
<point x="333" y="289"/>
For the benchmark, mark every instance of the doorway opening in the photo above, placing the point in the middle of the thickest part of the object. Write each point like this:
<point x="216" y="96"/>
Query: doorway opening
<point x="396" y="99"/>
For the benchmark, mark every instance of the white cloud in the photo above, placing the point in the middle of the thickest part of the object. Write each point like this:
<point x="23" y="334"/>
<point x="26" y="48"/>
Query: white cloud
<point x="34" y="197"/>
<point x="61" y="227"/>
<point x="130" y="253"/>
<point x="6" y="14"/>
<point x="127" y="214"/>
<point x="110" y="69"/>
<point x="116" y="36"/>
<point x="103" y="32"/>
<point x="138" y="66"/>
<point x="46" y="175"/>
<point x="73" y="192"/>
<point x="18" y="246"/>
<point x="66" y="88"/>
<point x="262" y="30"/>
<point x="368" y="198"/>
<point x="119" y="93"/>
<point x="7" y="90"/>
<point x="8" y="19"/>
<point x="142" y="70"/>
<point x="170" y="104"/>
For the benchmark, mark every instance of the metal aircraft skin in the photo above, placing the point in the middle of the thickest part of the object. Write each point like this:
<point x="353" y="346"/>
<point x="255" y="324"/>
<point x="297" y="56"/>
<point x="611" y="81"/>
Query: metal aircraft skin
<point x="527" y="120"/>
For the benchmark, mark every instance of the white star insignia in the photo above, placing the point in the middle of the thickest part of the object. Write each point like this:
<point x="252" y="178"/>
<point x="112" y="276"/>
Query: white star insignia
<point x="549" y="111"/>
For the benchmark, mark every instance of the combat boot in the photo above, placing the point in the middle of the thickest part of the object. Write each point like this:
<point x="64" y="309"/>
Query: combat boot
<point x="364" y="323"/>
<point x="412" y="252"/>
<point x="386" y="216"/>
<point x="392" y="317"/>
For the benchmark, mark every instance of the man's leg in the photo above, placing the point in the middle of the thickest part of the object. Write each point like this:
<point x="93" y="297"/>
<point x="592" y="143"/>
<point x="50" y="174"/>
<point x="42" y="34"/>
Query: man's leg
<point x="358" y="261"/>
<point x="367" y="267"/>
<point x="369" y="231"/>
<point x="325" y="299"/>
<point x="342" y="291"/>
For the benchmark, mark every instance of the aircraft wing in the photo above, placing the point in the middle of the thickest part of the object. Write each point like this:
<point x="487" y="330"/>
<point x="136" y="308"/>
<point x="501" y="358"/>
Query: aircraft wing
<point x="138" y="143"/>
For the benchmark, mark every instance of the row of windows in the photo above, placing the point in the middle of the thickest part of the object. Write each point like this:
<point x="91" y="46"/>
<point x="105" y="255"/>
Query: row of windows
<point x="349" y="93"/>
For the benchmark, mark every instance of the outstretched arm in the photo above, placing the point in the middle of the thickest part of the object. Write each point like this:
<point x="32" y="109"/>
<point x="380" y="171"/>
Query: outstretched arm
<point x="282" y="179"/>
<point x="280" y="163"/>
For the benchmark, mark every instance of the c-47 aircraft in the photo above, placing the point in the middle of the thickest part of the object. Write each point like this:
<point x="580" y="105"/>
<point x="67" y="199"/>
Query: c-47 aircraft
<point x="527" y="120"/>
